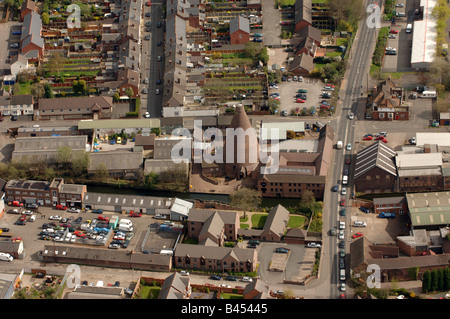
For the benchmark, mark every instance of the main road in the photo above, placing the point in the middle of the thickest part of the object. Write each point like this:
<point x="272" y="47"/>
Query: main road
<point x="350" y="98"/>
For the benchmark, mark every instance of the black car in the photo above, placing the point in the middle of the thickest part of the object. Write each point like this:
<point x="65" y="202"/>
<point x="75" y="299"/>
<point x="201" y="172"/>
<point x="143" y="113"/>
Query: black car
<point x="251" y="246"/>
<point x="21" y="222"/>
<point x="118" y="242"/>
<point x="32" y="206"/>
<point x="215" y="277"/>
<point x="148" y="14"/>
<point x="342" y="244"/>
<point x="97" y="211"/>
<point x="148" y="29"/>
<point x="5" y="229"/>
<point x="335" y="188"/>
<point x="14" y="118"/>
<point x="148" y="24"/>
<point x="253" y="242"/>
<point x="160" y="43"/>
<point x="117" y="284"/>
<point x="341" y="263"/>
<point x="158" y="81"/>
<point x="40" y="275"/>
<point x="282" y="250"/>
<point x="125" y="243"/>
<point x="78" y="220"/>
<point x="124" y="141"/>
<point x="159" y="25"/>
<point x="230" y="278"/>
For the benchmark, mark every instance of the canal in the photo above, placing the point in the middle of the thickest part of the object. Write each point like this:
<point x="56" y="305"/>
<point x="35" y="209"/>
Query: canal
<point x="266" y="202"/>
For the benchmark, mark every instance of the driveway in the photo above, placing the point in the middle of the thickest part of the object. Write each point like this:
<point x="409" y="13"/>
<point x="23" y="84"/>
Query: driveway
<point x="271" y="23"/>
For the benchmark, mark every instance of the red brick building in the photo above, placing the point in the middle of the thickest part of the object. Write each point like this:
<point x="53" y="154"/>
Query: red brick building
<point x="239" y="30"/>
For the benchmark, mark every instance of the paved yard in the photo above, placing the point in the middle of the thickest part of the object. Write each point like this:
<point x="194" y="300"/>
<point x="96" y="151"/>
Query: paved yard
<point x="6" y="38"/>
<point x="288" y="91"/>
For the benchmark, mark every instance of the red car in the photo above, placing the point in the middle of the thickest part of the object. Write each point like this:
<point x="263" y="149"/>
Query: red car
<point x="79" y="234"/>
<point x="384" y="140"/>
<point x="357" y="235"/>
<point x="23" y="218"/>
<point x="61" y="207"/>
<point x="348" y="160"/>
<point x="367" y="138"/>
<point x="135" y="214"/>
<point x="342" y="202"/>
<point x="300" y="101"/>
<point x="381" y="137"/>
<point x="148" y="3"/>
<point x="101" y="217"/>
<point x="393" y="31"/>
<point x="17" y="203"/>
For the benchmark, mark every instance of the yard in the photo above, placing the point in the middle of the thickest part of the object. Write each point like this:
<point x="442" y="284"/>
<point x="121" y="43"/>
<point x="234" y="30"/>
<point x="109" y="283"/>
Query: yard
<point x="149" y="292"/>
<point x="258" y="220"/>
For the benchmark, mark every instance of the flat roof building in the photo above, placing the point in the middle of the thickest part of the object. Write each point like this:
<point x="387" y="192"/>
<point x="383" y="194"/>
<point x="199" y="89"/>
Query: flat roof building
<point x="424" y="38"/>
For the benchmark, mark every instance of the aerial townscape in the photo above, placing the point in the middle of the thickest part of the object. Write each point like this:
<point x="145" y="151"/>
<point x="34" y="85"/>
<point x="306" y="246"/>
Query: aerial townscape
<point x="205" y="150"/>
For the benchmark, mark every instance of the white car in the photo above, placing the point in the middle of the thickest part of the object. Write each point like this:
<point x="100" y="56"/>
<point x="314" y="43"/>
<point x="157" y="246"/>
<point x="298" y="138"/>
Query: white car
<point x="247" y="279"/>
<point x="313" y="245"/>
<point x="58" y="239"/>
<point x="342" y="287"/>
<point x="349" y="147"/>
<point x="184" y="273"/>
<point x="73" y="238"/>
<point x="341" y="234"/>
<point x="73" y="210"/>
<point x="32" y="218"/>
<point x="225" y="286"/>
<point x="413" y="140"/>
<point x="147" y="115"/>
<point x="344" y="191"/>
<point x="55" y="217"/>
<point x="341" y="225"/>
<point x="350" y="116"/>
<point x="27" y="212"/>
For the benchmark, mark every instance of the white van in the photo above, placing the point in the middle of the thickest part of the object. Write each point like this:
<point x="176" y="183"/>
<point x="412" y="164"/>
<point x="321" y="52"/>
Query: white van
<point x="408" y="28"/>
<point x="32" y="218"/>
<point x="359" y="224"/>
<point x="428" y="94"/>
<point x="6" y="257"/>
<point x="345" y="180"/>
<point x="339" y="145"/>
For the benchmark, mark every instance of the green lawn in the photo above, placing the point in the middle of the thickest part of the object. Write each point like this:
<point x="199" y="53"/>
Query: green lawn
<point x="296" y="221"/>
<point x="149" y="292"/>
<point x="24" y="89"/>
<point x="333" y="53"/>
<point x="258" y="220"/>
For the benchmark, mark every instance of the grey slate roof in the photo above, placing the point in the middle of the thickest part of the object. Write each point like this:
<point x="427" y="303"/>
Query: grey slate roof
<point x="239" y="23"/>
<point x="375" y="155"/>
<point x="277" y="220"/>
<point x="174" y="287"/>
<point x="31" y="30"/>
<point x="303" y="11"/>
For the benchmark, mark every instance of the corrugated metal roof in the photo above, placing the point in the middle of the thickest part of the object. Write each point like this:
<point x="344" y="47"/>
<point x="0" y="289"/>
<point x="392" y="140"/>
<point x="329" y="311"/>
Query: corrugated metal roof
<point x="375" y="155"/>
<point x="423" y="160"/>
<point x="429" y="208"/>
<point x="116" y="124"/>
<point x="441" y="139"/>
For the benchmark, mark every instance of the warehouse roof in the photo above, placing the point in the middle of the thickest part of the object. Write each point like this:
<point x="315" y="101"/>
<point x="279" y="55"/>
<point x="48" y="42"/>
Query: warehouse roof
<point x="424" y="35"/>
<point x="375" y="155"/>
<point x="418" y="161"/>
<point x="116" y="124"/>
<point x="429" y="208"/>
<point x="126" y="200"/>
<point x="441" y="139"/>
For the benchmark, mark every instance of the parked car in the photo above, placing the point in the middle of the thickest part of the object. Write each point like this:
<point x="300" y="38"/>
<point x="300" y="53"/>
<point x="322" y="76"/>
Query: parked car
<point x="348" y="160"/>
<point x="113" y="246"/>
<point x="342" y="202"/>
<point x="313" y="245"/>
<point x="335" y="188"/>
<point x="357" y="235"/>
<point x="282" y="250"/>
<point x="97" y="211"/>
<point x="74" y="210"/>
<point x="393" y="31"/>
<point x="61" y="207"/>
<point x="215" y="277"/>
<point x="17" y="203"/>
<point x="247" y="279"/>
<point x="55" y="217"/>
<point x="342" y="212"/>
<point x="184" y="273"/>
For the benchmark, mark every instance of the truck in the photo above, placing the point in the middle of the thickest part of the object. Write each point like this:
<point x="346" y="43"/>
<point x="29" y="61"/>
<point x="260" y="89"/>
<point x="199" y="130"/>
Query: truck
<point x="386" y="215"/>
<point x="113" y="221"/>
<point x="339" y="145"/>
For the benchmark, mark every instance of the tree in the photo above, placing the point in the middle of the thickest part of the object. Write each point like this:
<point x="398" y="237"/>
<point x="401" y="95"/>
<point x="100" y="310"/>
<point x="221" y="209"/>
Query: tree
<point x="129" y="92"/>
<point x="64" y="155"/>
<point x="48" y="91"/>
<point x="151" y="180"/>
<point x="80" y="163"/>
<point x="246" y="199"/>
<point x="307" y="201"/>
<point x="56" y="62"/>
<point x="447" y="278"/>
<point x="45" y="18"/>
<point x="426" y="281"/>
<point x="252" y="49"/>
<point x="116" y="97"/>
<point x="79" y="87"/>
<point x="441" y="277"/>
<point x="434" y="280"/>
<point x="101" y="173"/>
